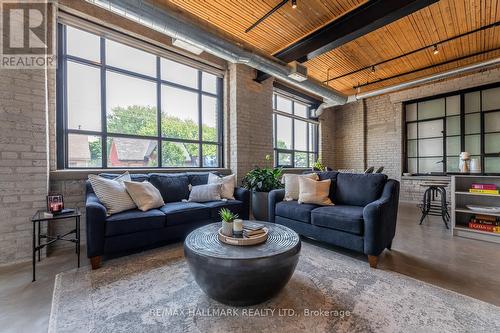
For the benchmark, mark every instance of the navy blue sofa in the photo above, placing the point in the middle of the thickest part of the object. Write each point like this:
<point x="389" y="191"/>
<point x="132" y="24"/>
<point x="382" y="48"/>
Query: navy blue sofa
<point x="134" y="230"/>
<point x="363" y="218"/>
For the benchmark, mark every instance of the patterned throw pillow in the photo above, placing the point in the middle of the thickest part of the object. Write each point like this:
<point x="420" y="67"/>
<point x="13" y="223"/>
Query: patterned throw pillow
<point x="112" y="193"/>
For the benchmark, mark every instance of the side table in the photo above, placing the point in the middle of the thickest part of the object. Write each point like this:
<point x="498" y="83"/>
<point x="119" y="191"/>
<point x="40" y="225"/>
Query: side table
<point x="38" y="218"/>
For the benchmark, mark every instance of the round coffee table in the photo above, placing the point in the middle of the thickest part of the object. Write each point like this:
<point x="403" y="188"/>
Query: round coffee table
<point x="242" y="275"/>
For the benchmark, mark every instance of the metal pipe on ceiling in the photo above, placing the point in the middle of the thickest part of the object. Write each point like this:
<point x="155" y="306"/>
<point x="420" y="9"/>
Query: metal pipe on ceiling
<point x="172" y="25"/>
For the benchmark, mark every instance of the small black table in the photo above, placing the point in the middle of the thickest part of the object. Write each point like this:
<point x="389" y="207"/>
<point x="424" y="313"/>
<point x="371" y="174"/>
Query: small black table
<point x="38" y="218"/>
<point x="242" y="275"/>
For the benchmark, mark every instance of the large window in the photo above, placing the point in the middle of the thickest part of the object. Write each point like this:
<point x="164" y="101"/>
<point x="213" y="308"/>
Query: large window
<point x="120" y="106"/>
<point x="438" y="129"/>
<point x="295" y="134"/>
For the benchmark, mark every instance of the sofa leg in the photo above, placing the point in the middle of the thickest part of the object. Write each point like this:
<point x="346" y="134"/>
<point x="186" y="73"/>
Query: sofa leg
<point x="373" y="261"/>
<point x="95" y="262"/>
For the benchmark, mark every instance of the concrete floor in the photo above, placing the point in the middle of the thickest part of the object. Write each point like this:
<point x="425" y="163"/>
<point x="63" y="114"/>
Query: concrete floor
<point x="427" y="252"/>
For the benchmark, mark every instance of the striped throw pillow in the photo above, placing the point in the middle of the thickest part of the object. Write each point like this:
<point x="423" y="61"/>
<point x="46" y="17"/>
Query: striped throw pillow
<point x="112" y="193"/>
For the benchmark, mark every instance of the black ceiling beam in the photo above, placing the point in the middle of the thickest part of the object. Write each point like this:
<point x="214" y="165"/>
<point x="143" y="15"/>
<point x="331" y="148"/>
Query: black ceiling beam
<point x="360" y="21"/>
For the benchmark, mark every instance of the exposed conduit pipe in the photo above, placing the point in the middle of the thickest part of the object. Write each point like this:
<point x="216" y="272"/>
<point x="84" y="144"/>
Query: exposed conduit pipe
<point x="172" y="25"/>
<point x="409" y="84"/>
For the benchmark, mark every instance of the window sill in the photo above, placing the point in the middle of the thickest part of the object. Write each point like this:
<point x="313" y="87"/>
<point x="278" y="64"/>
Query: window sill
<point x="430" y="177"/>
<point x="77" y="174"/>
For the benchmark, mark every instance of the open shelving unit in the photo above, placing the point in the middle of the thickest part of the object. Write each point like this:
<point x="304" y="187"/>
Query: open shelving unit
<point x="460" y="214"/>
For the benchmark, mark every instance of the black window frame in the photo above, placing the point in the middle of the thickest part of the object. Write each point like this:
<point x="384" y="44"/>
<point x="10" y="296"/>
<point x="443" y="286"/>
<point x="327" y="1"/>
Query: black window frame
<point x="295" y="97"/>
<point x="62" y="130"/>
<point x="462" y="135"/>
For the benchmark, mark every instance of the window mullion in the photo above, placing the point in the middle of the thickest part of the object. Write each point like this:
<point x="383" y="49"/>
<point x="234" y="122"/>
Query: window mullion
<point x="158" y="111"/>
<point x="104" y="129"/>
<point x="200" y="120"/>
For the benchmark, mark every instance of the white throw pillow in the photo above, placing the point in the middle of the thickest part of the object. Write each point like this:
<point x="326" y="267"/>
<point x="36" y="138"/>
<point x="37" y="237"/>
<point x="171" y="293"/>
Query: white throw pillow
<point x="228" y="184"/>
<point x="144" y="195"/>
<point x="204" y="193"/>
<point x="314" y="191"/>
<point x="112" y="193"/>
<point x="291" y="182"/>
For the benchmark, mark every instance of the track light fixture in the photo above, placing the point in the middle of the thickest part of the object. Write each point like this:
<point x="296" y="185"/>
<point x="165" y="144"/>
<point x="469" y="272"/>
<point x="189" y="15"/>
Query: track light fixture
<point x="435" y="49"/>
<point x="294" y="4"/>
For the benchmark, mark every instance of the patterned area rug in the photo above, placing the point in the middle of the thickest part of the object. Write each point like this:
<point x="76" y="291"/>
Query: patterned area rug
<point x="329" y="292"/>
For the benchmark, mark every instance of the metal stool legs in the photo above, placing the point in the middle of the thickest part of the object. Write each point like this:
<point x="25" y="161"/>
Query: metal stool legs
<point x="430" y="208"/>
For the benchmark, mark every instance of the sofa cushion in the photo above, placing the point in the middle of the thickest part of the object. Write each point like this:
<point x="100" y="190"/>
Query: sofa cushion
<point x="357" y="189"/>
<point x="134" y="221"/>
<point x="339" y="217"/>
<point x="295" y="211"/>
<point x="185" y="212"/>
<point x="173" y="187"/>
<point x="234" y="206"/>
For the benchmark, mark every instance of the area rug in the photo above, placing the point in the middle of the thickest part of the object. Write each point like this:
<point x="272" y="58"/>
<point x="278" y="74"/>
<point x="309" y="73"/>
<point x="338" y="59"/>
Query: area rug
<point x="329" y="292"/>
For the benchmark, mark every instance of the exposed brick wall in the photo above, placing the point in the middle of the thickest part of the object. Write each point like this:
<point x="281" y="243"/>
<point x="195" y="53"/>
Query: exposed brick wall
<point x="23" y="158"/>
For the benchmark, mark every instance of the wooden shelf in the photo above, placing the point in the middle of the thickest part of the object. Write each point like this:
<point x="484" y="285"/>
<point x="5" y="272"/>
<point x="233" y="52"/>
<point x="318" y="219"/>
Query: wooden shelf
<point x="469" y="211"/>
<point x="477" y="194"/>
<point x="476" y="234"/>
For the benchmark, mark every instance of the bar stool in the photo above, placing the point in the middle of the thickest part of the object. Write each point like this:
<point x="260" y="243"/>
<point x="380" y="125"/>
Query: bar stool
<point x="432" y="204"/>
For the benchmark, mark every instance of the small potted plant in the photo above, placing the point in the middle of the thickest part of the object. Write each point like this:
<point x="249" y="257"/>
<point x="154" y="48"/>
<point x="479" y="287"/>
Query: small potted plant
<point x="318" y="166"/>
<point x="227" y="217"/>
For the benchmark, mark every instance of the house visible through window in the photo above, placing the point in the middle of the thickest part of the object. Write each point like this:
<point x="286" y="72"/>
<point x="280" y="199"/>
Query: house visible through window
<point x="120" y="106"/>
<point x="295" y="134"/>
<point x="438" y="129"/>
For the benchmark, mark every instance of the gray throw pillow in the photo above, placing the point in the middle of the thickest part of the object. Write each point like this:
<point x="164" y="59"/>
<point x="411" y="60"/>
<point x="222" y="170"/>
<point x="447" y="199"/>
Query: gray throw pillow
<point x="204" y="193"/>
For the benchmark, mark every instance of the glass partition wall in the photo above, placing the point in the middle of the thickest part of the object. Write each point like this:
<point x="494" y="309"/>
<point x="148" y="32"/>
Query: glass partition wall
<point x="439" y="128"/>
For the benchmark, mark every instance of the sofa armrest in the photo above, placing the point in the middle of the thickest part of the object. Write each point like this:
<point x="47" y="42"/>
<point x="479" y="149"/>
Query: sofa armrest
<point x="242" y="194"/>
<point x="96" y="225"/>
<point x="275" y="196"/>
<point x="380" y="219"/>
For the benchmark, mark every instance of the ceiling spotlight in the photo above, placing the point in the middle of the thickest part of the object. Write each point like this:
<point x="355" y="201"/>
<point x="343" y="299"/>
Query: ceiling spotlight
<point x="435" y="50"/>
<point x="373" y="69"/>
<point x="294" y="4"/>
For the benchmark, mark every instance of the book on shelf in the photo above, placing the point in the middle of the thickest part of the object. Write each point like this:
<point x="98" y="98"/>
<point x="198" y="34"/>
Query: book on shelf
<point x="484" y="186"/>
<point x="485" y="222"/>
<point x="473" y="190"/>
<point x="484" y="227"/>
<point x="489" y="218"/>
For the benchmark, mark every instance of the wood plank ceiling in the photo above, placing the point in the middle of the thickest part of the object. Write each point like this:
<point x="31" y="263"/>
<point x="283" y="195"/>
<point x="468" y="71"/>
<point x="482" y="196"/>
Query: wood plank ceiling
<point x="437" y="22"/>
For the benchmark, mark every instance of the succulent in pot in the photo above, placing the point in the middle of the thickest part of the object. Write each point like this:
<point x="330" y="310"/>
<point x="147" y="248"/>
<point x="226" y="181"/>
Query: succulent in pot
<point x="227" y="217"/>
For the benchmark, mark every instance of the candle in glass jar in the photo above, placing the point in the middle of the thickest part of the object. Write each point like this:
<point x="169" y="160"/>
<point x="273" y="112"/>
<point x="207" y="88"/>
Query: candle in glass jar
<point x="238" y="226"/>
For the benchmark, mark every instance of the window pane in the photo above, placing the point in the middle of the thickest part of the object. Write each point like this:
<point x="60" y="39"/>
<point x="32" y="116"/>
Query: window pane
<point x="301" y="110"/>
<point x="209" y="118"/>
<point x="179" y="118"/>
<point x="179" y="73"/>
<point x="453" y="105"/>
<point x="428" y="129"/>
<point x="452" y="164"/>
<point x="210" y="156"/>
<point x="312" y="160"/>
<point x="472" y="102"/>
<point x="431" y="109"/>
<point x="430" y="147"/>
<point x="492" y="122"/>
<point x="411" y="112"/>
<point x="131" y="105"/>
<point x="312" y="137"/>
<point x="453" y="145"/>
<point x="492" y="143"/>
<point x="84" y="97"/>
<point x="285" y="159"/>
<point x="129" y="58"/>
<point x="453" y="125"/>
<point x="300" y="135"/>
<point x="492" y="164"/>
<point x="472" y="123"/>
<point x="412" y="148"/>
<point x="128" y="152"/>
<point x="177" y="154"/>
<point x="283" y="132"/>
<point x="84" y="151"/>
<point x="82" y="44"/>
<point x="473" y="144"/>
<point x="301" y="160"/>
<point x="412" y="165"/>
<point x="412" y="131"/>
<point x="283" y="104"/>
<point x="491" y="99"/>
<point x="427" y="165"/>
<point x="209" y="83"/>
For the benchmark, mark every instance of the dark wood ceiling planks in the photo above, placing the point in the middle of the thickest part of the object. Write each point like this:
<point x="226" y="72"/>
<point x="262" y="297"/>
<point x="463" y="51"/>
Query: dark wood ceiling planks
<point x="439" y="21"/>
